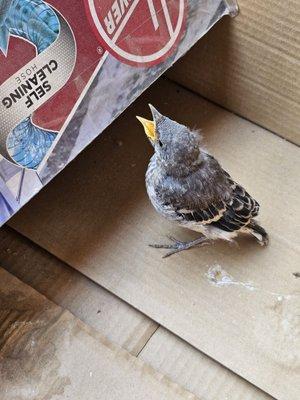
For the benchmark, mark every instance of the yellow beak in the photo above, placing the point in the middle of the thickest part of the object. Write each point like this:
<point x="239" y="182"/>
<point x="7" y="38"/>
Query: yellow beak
<point x="149" y="127"/>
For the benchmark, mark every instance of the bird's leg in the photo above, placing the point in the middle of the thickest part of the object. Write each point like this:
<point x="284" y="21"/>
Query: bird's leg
<point x="178" y="245"/>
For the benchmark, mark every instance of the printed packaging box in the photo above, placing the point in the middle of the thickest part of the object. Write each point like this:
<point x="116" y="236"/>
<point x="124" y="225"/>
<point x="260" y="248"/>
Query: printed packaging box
<point x="68" y="69"/>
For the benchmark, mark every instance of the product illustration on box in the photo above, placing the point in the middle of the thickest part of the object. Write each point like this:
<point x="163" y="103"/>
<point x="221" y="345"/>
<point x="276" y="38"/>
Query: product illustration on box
<point x="69" y="69"/>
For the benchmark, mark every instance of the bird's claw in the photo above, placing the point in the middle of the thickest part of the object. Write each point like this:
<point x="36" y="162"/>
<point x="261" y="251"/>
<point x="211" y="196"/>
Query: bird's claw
<point x="177" y="245"/>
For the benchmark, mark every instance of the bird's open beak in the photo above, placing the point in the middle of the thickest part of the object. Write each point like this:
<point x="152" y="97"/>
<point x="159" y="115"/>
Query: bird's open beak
<point x="149" y="127"/>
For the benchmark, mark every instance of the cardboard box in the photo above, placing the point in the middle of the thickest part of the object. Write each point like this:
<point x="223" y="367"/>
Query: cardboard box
<point x="255" y="71"/>
<point x="219" y="321"/>
<point x="249" y="324"/>
<point x="69" y="69"/>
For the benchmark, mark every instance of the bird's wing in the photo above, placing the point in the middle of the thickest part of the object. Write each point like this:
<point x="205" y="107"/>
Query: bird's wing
<point x="229" y="214"/>
<point x="240" y="210"/>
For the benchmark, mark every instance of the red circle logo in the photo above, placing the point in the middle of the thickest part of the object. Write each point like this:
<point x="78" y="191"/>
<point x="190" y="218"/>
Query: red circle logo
<point x="138" y="32"/>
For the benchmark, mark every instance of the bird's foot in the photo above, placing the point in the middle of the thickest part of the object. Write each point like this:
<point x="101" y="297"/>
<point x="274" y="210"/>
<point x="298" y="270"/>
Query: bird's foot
<point x="177" y="245"/>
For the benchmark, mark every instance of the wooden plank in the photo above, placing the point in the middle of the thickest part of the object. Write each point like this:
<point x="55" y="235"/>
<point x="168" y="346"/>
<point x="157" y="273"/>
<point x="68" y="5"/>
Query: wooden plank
<point x="48" y="353"/>
<point x="194" y="371"/>
<point x="95" y="306"/>
<point x="250" y="325"/>
<point x="250" y="65"/>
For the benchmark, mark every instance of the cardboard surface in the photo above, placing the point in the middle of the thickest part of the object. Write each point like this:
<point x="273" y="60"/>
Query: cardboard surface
<point x="48" y="353"/>
<point x="120" y="323"/>
<point x="100" y="221"/>
<point x="196" y="372"/>
<point x="250" y="65"/>
<point x="117" y="321"/>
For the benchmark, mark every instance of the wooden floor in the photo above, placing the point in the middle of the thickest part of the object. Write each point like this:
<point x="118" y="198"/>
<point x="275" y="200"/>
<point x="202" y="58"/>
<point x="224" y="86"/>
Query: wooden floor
<point x="88" y="311"/>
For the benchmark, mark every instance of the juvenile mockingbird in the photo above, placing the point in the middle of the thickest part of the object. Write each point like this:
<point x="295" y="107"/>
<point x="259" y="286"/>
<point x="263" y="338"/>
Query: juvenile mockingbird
<point x="187" y="185"/>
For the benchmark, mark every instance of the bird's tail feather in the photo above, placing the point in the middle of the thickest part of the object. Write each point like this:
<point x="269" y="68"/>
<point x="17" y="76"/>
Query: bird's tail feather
<point x="259" y="232"/>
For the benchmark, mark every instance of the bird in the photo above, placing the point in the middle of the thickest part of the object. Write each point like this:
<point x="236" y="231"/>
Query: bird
<point x="188" y="186"/>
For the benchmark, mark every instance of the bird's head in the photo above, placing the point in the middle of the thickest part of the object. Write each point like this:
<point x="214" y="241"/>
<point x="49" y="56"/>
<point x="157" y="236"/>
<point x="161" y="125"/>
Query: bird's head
<point x="176" y="146"/>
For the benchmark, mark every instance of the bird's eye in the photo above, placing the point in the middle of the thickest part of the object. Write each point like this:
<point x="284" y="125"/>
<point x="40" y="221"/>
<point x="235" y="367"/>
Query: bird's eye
<point x="160" y="143"/>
